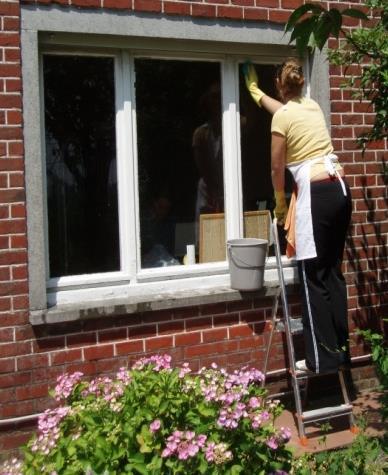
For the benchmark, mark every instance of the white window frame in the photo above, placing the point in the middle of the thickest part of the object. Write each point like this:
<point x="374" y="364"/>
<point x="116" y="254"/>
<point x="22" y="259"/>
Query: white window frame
<point x="75" y="288"/>
<point x="74" y="30"/>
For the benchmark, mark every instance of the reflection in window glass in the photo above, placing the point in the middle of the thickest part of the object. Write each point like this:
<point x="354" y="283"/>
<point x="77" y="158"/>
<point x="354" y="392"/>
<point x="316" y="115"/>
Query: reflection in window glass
<point x="181" y="191"/>
<point x="255" y="127"/>
<point x="80" y="165"/>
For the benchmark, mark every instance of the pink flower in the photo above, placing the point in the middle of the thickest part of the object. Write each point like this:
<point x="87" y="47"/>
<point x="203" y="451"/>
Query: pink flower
<point x="285" y="433"/>
<point x="254" y="402"/>
<point x="272" y="443"/>
<point x="155" y="425"/>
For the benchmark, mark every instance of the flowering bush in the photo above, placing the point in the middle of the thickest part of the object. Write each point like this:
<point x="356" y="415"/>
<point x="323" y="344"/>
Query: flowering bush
<point x="153" y="419"/>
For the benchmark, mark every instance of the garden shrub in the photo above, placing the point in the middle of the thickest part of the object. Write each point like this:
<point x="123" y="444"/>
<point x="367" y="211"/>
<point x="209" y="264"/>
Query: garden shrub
<point x="154" y="419"/>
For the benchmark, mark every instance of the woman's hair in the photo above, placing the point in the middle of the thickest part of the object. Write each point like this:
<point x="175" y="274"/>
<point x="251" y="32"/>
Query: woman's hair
<point x="291" y="78"/>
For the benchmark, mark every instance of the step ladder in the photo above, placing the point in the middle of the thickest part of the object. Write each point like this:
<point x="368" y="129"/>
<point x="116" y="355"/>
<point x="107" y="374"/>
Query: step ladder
<point x="299" y="379"/>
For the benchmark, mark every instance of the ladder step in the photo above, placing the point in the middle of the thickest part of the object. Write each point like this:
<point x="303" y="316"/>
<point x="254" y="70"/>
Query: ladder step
<point x="326" y="412"/>
<point x="296" y="326"/>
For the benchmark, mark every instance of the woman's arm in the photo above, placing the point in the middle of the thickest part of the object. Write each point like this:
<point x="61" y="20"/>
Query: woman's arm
<point x="278" y="165"/>
<point x="262" y="100"/>
<point x="270" y="104"/>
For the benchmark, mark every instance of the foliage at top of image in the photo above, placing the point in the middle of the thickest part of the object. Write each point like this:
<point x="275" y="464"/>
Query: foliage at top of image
<point x="365" y="47"/>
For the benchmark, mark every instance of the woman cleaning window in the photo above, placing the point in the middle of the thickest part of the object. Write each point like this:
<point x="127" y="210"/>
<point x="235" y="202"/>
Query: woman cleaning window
<point x="318" y="224"/>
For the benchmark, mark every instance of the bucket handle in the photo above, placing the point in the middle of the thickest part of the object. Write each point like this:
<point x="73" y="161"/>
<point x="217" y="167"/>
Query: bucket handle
<point x="246" y="263"/>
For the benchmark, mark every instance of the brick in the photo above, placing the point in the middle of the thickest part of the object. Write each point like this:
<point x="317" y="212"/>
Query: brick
<point x="154" y="6"/>
<point x="13" y="85"/>
<point x="5" y="304"/>
<point x="142" y="331"/>
<point x="9" y="132"/>
<point x="255" y="14"/>
<point x="6" y="395"/>
<point x="7" y="365"/>
<point x="213" y="309"/>
<point x="15" y="440"/>
<point x="87" y="3"/>
<point x="13" y="288"/>
<point x="129" y="347"/>
<point x="19" y="242"/>
<point x="24" y="332"/>
<point x="20" y="302"/>
<point x="13" y="318"/>
<point x="176" y="326"/>
<point x="156" y="344"/>
<point x="11" y="196"/>
<point x="5" y="273"/>
<point x="187" y="339"/>
<point x="16" y="180"/>
<point x="112" y="335"/>
<point x="18" y="211"/>
<point x="352" y="119"/>
<point x="291" y="4"/>
<point x="268" y="3"/>
<point x="244" y="3"/>
<point x="198" y="323"/>
<point x="12" y="226"/>
<point x="66" y="356"/>
<point x="15" y="349"/>
<point x="153" y="317"/>
<point x="216" y="334"/>
<point x="235" y="13"/>
<point x="186" y="312"/>
<point x="47" y="344"/>
<point x="254" y="342"/>
<point x="11" y="23"/>
<point x="176" y="8"/>
<point x="227" y="319"/>
<point x="81" y="339"/>
<point x="240" y="331"/>
<point x="9" y="9"/>
<point x="4" y="180"/>
<point x="6" y="335"/>
<point x="98" y="352"/>
<point x="14" y="117"/>
<point x="278" y="16"/>
<point x="118" y="4"/>
<point x="31" y="392"/>
<point x="201" y="10"/>
<point x="10" y="380"/>
<point x="10" y="164"/>
<point x="9" y="39"/>
<point x="12" y="55"/>
<point x="17" y="409"/>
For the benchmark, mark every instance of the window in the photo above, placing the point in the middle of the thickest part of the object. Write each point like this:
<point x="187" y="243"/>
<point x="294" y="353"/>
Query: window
<point x="151" y="164"/>
<point x="81" y="179"/>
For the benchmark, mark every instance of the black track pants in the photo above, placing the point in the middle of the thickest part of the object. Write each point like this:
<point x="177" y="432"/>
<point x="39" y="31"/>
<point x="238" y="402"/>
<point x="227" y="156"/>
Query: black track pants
<point x="325" y="322"/>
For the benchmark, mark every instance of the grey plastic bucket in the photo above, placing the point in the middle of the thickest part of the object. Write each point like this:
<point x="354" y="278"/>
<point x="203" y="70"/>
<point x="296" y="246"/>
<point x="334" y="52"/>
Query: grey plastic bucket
<point x="246" y="263"/>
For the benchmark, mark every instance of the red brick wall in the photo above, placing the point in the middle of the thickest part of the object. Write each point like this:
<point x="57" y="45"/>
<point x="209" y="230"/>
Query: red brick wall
<point x="231" y="334"/>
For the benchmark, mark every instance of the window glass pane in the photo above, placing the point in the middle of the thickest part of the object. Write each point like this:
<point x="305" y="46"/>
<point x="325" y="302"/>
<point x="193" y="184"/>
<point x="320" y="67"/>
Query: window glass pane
<point x="181" y="191"/>
<point x="255" y="127"/>
<point x="80" y="165"/>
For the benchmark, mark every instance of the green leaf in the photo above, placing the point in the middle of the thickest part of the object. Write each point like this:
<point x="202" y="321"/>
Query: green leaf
<point x="336" y="21"/>
<point x="354" y="13"/>
<point x="236" y="469"/>
<point x="322" y="30"/>
<point x="299" y="12"/>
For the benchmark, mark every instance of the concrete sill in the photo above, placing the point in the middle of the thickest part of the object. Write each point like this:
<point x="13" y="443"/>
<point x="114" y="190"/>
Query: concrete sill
<point x="153" y="302"/>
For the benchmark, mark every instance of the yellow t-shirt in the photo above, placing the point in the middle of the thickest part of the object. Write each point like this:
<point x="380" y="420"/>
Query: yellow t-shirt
<point x="302" y="123"/>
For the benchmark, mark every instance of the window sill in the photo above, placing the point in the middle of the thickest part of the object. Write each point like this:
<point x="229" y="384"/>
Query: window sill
<point x="149" y="302"/>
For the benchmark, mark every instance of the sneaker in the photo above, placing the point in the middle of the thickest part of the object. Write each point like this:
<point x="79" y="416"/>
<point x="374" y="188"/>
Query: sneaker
<point x="302" y="367"/>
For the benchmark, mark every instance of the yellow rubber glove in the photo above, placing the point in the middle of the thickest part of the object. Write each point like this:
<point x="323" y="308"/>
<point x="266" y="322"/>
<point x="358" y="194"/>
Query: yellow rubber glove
<point x="251" y="83"/>
<point x="281" y="208"/>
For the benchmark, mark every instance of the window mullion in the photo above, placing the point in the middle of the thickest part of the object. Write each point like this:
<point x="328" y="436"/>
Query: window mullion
<point x="125" y="164"/>
<point x="231" y="150"/>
